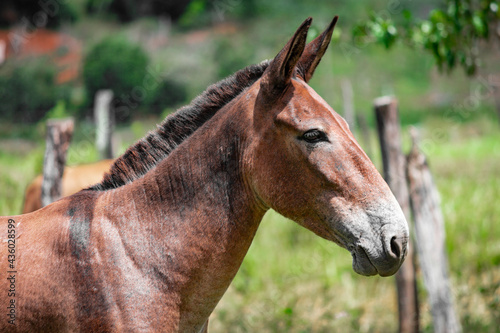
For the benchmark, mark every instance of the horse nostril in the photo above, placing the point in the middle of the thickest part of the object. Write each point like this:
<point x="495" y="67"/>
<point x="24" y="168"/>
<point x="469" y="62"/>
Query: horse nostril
<point x="396" y="247"/>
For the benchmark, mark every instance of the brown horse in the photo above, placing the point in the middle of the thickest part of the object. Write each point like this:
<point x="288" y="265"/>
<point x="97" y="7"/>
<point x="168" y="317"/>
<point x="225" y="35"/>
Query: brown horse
<point x="75" y="178"/>
<point x="155" y="245"/>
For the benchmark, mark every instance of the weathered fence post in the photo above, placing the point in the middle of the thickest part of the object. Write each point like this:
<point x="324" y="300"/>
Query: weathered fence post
<point x="59" y="133"/>
<point x="104" y="123"/>
<point x="3" y="51"/>
<point x="347" y="97"/>
<point x="365" y="134"/>
<point x="394" y="165"/>
<point x="494" y="85"/>
<point x="430" y="240"/>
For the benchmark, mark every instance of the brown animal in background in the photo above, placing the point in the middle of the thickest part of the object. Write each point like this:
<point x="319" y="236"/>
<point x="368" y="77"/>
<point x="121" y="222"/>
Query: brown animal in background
<point x="155" y="245"/>
<point x="75" y="178"/>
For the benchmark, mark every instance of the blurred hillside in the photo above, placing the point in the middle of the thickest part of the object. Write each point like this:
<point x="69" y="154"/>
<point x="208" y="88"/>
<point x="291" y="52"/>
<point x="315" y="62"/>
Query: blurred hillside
<point x="206" y="42"/>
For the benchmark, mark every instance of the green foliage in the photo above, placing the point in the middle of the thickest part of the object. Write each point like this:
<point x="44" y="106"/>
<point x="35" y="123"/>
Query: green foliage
<point x="28" y="90"/>
<point x="58" y="111"/>
<point x="117" y="64"/>
<point x="97" y="6"/>
<point x="66" y="12"/>
<point x="168" y="94"/>
<point x="136" y="86"/>
<point x="195" y="10"/>
<point x="203" y="12"/>
<point x="126" y="10"/>
<point x="451" y="35"/>
<point x="39" y="13"/>
<point x="232" y="55"/>
<point x="293" y="281"/>
<point x="382" y="30"/>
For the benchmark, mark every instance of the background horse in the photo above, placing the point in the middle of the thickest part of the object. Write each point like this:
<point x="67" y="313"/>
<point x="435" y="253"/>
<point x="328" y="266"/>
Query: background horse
<point x="75" y="178"/>
<point x="155" y="245"/>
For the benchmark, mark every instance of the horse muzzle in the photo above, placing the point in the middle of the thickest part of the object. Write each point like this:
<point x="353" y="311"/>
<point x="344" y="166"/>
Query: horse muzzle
<point x="384" y="257"/>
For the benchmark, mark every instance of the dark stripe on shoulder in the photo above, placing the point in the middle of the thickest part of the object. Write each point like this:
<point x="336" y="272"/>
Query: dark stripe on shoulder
<point x="91" y="307"/>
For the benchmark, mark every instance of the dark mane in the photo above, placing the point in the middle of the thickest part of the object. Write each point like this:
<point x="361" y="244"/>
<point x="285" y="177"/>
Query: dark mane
<point x="147" y="152"/>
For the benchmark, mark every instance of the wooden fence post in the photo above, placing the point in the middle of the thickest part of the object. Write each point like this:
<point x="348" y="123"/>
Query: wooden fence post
<point x="59" y="133"/>
<point x="430" y="240"/>
<point x="347" y="97"/>
<point x="365" y="134"/>
<point x="3" y="51"/>
<point x="104" y="123"/>
<point x="394" y="165"/>
<point x="494" y="85"/>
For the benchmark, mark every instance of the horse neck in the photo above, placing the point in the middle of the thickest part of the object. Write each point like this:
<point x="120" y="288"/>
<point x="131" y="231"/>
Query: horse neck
<point x="199" y="210"/>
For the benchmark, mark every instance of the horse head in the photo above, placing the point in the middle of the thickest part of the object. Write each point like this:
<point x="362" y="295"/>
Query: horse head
<point x="306" y="164"/>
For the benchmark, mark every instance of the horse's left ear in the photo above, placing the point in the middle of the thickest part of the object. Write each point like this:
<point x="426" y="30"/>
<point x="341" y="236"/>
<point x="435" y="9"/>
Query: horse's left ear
<point x="314" y="51"/>
<point x="279" y="73"/>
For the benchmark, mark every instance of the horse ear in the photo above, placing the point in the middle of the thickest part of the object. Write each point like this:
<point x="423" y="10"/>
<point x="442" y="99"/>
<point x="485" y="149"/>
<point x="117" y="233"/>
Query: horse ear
<point x="280" y="71"/>
<point x="314" y="51"/>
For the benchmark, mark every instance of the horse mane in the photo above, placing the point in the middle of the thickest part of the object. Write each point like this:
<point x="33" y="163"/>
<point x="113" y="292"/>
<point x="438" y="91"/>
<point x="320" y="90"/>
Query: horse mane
<point x="157" y="145"/>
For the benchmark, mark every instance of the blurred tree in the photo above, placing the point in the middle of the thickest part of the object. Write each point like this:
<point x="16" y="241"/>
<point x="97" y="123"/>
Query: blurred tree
<point x="128" y="10"/>
<point x="450" y="34"/>
<point x="232" y="55"/>
<point x="168" y="94"/>
<point x="117" y="64"/>
<point x="28" y="90"/>
<point x="204" y="12"/>
<point x="37" y="13"/>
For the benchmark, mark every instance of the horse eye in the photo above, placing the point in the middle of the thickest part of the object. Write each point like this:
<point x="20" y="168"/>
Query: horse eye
<point x="313" y="136"/>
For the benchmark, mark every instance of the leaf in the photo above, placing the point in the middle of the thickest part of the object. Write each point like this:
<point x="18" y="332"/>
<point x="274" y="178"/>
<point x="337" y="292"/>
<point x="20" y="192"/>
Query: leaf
<point x="479" y="24"/>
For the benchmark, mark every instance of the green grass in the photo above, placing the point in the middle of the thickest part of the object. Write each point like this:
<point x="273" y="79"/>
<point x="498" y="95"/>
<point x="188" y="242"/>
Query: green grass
<point x="294" y="281"/>
<point x="291" y="280"/>
<point x="467" y="169"/>
<point x="16" y="170"/>
<point x="21" y="157"/>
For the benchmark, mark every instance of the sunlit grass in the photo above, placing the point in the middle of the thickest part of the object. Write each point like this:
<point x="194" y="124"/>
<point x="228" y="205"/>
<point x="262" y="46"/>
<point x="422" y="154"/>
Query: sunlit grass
<point x="293" y="281"/>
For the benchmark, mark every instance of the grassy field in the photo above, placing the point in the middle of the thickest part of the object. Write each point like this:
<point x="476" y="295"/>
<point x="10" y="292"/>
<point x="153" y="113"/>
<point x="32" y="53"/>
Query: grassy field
<point x="293" y="281"/>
